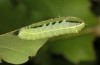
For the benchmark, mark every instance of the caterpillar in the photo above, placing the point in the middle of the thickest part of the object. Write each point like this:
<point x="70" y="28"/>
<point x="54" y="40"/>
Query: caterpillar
<point x="51" y="28"/>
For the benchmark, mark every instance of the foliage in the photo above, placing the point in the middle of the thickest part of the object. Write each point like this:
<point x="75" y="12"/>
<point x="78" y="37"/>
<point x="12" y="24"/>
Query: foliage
<point x="18" y="13"/>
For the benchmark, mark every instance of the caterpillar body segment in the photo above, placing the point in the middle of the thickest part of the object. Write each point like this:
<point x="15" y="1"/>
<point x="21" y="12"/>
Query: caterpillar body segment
<point x="55" y="27"/>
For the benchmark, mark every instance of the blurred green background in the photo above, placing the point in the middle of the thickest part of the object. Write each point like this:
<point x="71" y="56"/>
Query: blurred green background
<point x="18" y="13"/>
<point x="15" y="14"/>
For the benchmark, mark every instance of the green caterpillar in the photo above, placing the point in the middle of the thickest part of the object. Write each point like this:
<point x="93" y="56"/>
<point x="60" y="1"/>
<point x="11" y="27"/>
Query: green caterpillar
<point x="53" y="27"/>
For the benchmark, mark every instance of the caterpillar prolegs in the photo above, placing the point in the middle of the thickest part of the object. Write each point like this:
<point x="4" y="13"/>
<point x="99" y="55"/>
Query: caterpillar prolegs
<point x="52" y="27"/>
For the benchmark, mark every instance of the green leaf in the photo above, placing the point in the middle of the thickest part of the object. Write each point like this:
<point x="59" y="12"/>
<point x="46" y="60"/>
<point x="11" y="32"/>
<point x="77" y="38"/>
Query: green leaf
<point x="75" y="49"/>
<point x="17" y="51"/>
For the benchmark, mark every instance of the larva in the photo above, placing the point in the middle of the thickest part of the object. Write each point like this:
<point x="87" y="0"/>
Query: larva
<point x="55" y="27"/>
